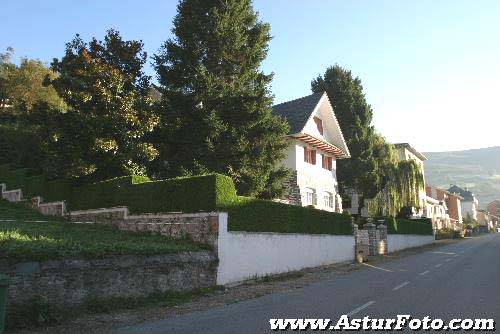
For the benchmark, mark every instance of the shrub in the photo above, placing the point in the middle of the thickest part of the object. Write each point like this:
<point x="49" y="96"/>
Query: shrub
<point x="447" y="233"/>
<point x="255" y="215"/>
<point x="409" y="226"/>
<point x="19" y="147"/>
<point x="186" y="194"/>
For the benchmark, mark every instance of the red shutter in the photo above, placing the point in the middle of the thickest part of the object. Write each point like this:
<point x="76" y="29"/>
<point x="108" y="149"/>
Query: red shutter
<point x="313" y="156"/>
<point x="319" y="124"/>
<point x="330" y="163"/>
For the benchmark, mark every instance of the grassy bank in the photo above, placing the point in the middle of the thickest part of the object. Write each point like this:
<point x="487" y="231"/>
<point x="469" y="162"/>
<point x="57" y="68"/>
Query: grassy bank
<point x="23" y="240"/>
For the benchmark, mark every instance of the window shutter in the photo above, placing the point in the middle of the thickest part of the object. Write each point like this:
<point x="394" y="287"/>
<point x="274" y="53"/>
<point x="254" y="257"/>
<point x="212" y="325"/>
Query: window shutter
<point x="313" y="157"/>
<point x="323" y="161"/>
<point x="319" y="124"/>
<point x="305" y="154"/>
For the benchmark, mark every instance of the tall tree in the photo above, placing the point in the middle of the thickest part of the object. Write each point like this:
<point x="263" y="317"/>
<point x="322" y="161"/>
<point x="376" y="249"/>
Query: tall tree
<point x="217" y="103"/>
<point x="366" y="171"/>
<point x="109" y="110"/>
<point x="21" y="86"/>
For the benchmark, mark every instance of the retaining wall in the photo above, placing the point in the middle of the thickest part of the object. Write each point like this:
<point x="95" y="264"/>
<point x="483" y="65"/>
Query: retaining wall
<point x="72" y="282"/>
<point x="201" y="227"/>
<point x="398" y="242"/>
<point x="245" y="255"/>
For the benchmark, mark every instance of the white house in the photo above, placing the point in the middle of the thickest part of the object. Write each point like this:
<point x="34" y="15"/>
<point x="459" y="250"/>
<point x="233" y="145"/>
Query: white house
<point x="470" y="203"/>
<point x="316" y="142"/>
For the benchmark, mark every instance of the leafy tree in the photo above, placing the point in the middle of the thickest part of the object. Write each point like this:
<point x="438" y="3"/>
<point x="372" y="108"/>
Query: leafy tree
<point x="21" y="87"/>
<point x="109" y="110"/>
<point x="216" y="110"/>
<point x="371" y="156"/>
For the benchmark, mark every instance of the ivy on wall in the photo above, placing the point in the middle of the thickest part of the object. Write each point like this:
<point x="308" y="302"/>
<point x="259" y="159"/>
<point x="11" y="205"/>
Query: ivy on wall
<point x="405" y="181"/>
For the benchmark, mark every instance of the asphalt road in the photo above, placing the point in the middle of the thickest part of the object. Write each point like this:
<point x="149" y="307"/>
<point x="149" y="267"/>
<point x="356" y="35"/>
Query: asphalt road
<point x="460" y="280"/>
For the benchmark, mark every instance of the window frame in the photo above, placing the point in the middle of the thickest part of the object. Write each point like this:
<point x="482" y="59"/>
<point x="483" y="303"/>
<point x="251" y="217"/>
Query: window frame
<point x="309" y="155"/>
<point x="326" y="162"/>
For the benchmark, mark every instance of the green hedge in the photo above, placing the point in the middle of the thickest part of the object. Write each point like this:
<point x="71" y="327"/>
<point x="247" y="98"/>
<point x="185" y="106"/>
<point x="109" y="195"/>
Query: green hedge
<point x="409" y="226"/>
<point x="19" y="147"/>
<point x="254" y="215"/>
<point x="187" y="194"/>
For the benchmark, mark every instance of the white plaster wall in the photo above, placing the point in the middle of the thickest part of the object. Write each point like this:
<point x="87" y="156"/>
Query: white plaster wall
<point x="396" y="242"/>
<point x="315" y="176"/>
<point x="469" y="207"/>
<point x="290" y="160"/>
<point x="246" y="255"/>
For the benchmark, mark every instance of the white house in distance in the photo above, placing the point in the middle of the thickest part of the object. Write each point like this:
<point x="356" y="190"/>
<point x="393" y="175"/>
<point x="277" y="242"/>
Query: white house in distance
<point x="316" y="142"/>
<point x="470" y="203"/>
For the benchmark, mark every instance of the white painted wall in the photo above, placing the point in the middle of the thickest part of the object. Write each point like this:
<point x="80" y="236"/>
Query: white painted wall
<point x="396" y="242"/>
<point x="470" y="208"/>
<point x="245" y="255"/>
<point x="315" y="176"/>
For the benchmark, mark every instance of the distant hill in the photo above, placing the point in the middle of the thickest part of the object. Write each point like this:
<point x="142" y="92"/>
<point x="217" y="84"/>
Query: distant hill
<point x="477" y="169"/>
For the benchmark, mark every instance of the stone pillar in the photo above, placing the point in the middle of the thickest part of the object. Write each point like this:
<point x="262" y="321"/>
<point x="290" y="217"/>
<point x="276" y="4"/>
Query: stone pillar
<point x="355" y="233"/>
<point x="382" y="244"/>
<point x="372" y="238"/>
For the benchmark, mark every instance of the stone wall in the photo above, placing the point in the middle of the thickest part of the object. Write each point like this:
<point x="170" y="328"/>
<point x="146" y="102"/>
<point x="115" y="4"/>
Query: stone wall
<point x="15" y="195"/>
<point x="72" y="282"/>
<point x="371" y="240"/>
<point x="200" y="227"/>
<point x="292" y="194"/>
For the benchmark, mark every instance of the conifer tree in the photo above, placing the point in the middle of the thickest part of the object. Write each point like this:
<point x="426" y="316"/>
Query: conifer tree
<point x="216" y="107"/>
<point x="372" y="157"/>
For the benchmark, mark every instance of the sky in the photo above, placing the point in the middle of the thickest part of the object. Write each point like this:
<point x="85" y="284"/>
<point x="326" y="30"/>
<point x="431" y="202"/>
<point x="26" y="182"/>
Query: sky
<point x="430" y="69"/>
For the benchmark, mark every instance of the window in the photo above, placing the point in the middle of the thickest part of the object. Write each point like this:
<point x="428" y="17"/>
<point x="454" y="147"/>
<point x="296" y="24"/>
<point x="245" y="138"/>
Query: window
<point x="310" y="196"/>
<point x="319" y="124"/>
<point x="327" y="162"/>
<point x="310" y="155"/>
<point x="328" y="199"/>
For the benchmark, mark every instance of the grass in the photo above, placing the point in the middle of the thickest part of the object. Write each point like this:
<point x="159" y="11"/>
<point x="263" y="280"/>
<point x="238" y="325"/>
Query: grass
<point x="10" y="211"/>
<point x="21" y="240"/>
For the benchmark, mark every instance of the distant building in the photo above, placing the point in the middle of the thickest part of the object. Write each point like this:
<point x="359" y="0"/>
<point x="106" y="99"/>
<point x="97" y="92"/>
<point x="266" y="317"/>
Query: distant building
<point x="494" y="208"/>
<point x="444" y="208"/>
<point x="470" y="204"/>
<point x="316" y="143"/>
<point x="484" y="221"/>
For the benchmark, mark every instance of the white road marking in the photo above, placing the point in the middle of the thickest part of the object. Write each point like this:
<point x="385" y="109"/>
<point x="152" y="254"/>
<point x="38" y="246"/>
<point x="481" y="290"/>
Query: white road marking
<point x="379" y="268"/>
<point x="362" y="307"/>
<point x="443" y="253"/>
<point x="400" y="286"/>
<point x="424" y="273"/>
<point x="438" y="265"/>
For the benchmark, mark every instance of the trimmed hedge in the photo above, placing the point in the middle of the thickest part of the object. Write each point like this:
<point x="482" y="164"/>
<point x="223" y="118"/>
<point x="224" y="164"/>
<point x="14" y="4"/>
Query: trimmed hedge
<point x="186" y="194"/>
<point x="409" y="226"/>
<point x="255" y="215"/>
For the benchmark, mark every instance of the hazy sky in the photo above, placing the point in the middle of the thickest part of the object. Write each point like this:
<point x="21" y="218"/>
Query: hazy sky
<point x="430" y="69"/>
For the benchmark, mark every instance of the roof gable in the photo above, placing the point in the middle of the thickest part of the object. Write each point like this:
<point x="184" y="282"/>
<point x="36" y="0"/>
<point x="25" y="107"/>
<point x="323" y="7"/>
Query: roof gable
<point x="297" y="112"/>
<point x="465" y="193"/>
